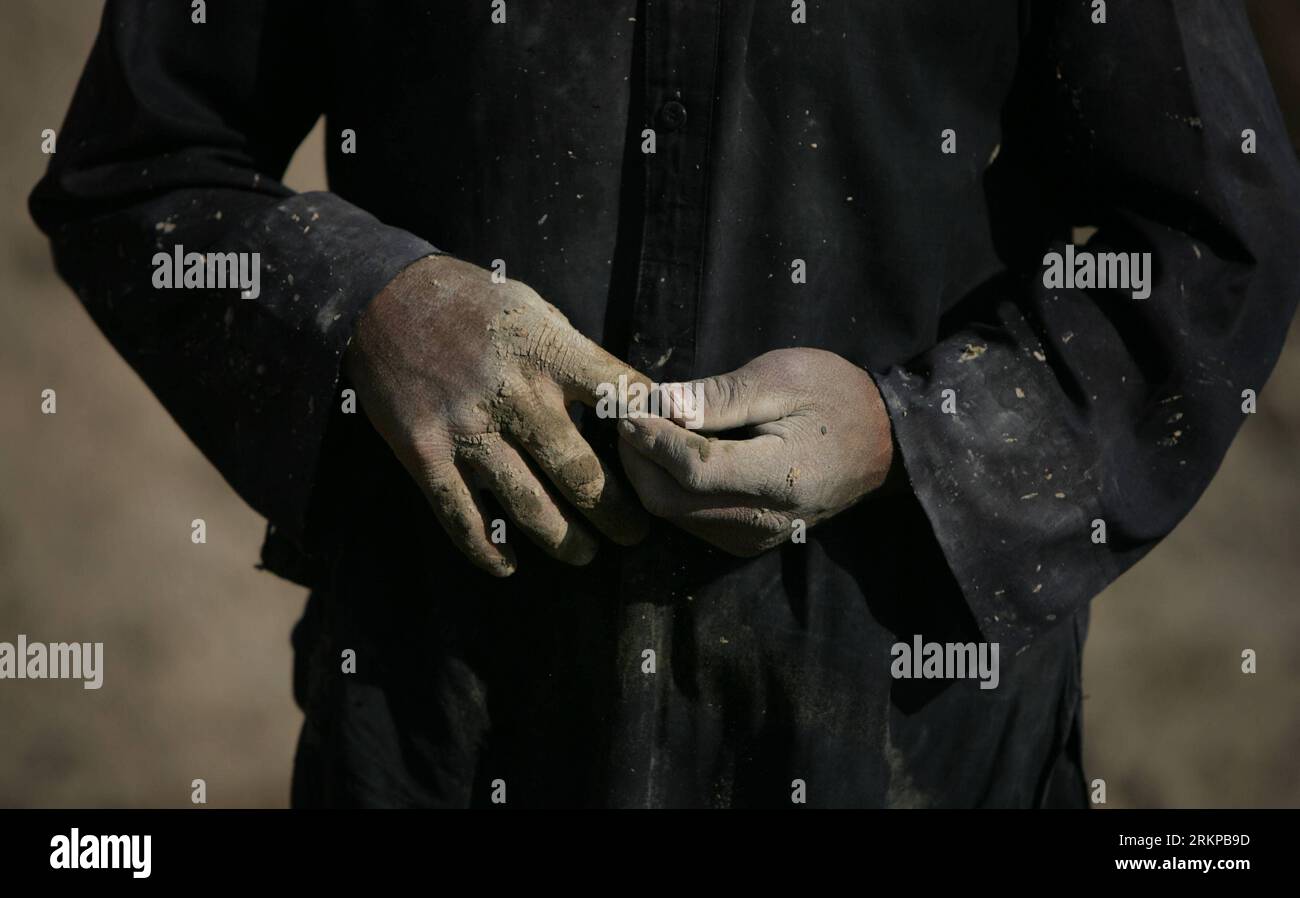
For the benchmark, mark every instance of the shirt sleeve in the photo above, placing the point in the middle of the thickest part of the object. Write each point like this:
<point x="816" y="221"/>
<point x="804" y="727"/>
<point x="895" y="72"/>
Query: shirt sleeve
<point x="1082" y="414"/>
<point x="176" y="136"/>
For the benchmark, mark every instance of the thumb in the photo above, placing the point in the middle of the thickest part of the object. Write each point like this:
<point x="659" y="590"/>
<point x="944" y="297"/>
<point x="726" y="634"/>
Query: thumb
<point x="741" y="398"/>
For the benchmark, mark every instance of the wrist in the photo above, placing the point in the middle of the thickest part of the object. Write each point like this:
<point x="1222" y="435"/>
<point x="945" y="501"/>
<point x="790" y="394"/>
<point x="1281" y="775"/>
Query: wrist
<point x="883" y="465"/>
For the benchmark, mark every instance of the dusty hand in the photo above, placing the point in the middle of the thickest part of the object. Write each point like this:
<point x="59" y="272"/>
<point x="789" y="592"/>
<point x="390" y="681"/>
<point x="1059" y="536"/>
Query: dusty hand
<point x="817" y="438"/>
<point x="469" y="381"/>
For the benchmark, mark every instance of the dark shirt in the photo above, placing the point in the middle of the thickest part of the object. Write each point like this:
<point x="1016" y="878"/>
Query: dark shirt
<point x="775" y="141"/>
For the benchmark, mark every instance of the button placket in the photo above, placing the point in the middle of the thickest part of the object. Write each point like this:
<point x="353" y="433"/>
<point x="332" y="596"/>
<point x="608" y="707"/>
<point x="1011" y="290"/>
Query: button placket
<point x="681" y="60"/>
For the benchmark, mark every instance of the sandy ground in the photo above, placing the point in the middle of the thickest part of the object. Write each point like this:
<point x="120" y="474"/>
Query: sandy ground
<point x="96" y="501"/>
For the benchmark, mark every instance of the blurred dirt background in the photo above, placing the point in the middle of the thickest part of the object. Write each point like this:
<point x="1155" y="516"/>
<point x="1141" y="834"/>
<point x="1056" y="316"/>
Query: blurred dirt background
<point x="96" y="503"/>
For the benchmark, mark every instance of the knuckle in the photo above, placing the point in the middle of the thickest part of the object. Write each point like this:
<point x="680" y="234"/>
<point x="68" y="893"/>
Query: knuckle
<point x="529" y="511"/>
<point x="519" y="290"/>
<point x="434" y="474"/>
<point x="695" y="475"/>
<point x="479" y="448"/>
<point x="427" y="450"/>
<point x="717" y="392"/>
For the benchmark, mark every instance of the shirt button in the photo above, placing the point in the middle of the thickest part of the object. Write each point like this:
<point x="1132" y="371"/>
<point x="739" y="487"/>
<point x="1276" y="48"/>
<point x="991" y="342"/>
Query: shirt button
<point x="672" y="115"/>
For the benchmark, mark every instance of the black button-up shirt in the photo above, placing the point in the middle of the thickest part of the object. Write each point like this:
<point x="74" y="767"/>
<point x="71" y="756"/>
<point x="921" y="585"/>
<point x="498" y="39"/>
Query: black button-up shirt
<point x="916" y="160"/>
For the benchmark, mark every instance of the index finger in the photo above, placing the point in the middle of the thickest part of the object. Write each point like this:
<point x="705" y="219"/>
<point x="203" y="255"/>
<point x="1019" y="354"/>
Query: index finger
<point x="587" y="373"/>
<point x="756" y="467"/>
